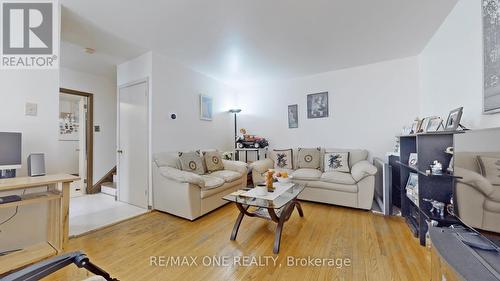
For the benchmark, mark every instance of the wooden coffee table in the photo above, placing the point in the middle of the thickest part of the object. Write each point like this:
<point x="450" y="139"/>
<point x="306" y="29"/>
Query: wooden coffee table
<point x="278" y="210"/>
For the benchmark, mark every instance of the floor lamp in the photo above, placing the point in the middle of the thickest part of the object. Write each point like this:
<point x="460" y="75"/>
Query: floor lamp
<point x="235" y="112"/>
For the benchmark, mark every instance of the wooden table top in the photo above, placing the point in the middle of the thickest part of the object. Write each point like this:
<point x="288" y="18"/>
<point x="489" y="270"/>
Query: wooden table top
<point x="26" y="182"/>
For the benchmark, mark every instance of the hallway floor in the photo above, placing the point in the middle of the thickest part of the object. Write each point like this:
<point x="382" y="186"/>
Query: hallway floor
<point x="94" y="211"/>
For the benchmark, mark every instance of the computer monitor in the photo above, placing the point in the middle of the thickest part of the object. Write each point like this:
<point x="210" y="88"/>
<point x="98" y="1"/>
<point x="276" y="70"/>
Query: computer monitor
<point x="10" y="150"/>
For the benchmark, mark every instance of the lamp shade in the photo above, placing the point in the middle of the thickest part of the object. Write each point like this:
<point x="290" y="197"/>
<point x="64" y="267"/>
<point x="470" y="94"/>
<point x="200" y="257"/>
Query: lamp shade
<point x="235" y="110"/>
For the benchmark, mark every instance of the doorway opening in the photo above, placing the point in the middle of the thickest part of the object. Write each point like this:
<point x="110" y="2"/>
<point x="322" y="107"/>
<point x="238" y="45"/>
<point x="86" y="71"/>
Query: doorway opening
<point x="76" y="139"/>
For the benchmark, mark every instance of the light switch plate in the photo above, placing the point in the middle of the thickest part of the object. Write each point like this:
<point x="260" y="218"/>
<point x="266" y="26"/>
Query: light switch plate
<point x="97" y="128"/>
<point x="31" y="109"/>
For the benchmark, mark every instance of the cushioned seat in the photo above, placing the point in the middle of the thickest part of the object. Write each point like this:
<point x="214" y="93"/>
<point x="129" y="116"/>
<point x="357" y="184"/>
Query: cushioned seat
<point x="338" y="177"/>
<point x="226" y="175"/>
<point x="307" y="174"/>
<point x="351" y="188"/>
<point x="492" y="206"/>
<point x="205" y="193"/>
<point x="212" y="182"/>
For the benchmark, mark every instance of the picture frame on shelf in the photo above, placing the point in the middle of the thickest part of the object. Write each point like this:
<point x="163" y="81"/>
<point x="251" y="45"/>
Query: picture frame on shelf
<point x="453" y="120"/>
<point x="434" y="124"/>
<point x="415" y="127"/>
<point x="413" y="160"/>
<point x="412" y="182"/>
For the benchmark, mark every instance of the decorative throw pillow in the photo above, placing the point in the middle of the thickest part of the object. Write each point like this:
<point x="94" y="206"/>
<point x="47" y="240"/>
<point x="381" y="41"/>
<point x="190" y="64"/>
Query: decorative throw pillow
<point x="213" y="161"/>
<point x="309" y="158"/>
<point x="490" y="169"/>
<point x="191" y="162"/>
<point x="337" y="161"/>
<point x="283" y="159"/>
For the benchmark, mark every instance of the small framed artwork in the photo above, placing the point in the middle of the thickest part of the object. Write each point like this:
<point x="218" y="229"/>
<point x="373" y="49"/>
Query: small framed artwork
<point x="206" y="108"/>
<point x="433" y="124"/>
<point x="317" y="105"/>
<point x="293" y="116"/>
<point x="414" y="127"/>
<point x="453" y="120"/>
<point x="412" y="181"/>
<point x="413" y="160"/>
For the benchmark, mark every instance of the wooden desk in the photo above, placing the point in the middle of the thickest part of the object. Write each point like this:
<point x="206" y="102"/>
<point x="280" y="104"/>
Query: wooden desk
<point x="57" y="198"/>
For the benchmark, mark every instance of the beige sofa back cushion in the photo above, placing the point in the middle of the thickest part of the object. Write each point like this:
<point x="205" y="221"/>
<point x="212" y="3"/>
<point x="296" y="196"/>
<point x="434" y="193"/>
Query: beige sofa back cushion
<point x="167" y="159"/>
<point x="468" y="160"/>
<point x="490" y="168"/>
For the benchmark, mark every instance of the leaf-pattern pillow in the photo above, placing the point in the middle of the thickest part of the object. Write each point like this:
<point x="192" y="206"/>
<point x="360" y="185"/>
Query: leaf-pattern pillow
<point x="337" y="161"/>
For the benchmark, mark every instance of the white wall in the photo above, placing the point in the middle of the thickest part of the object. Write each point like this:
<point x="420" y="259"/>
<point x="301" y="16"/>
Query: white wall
<point x="451" y="68"/>
<point x="176" y="89"/>
<point x="368" y="107"/>
<point x="40" y="134"/>
<point x="104" y="90"/>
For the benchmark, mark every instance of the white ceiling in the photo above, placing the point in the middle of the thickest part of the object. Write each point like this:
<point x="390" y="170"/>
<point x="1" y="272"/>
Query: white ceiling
<point x="238" y="40"/>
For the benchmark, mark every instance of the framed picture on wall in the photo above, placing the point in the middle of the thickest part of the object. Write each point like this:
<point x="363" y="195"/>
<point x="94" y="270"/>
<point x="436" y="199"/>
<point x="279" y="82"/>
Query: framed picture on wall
<point x="293" y="116"/>
<point x="206" y="108"/>
<point x="317" y="105"/>
<point x="491" y="63"/>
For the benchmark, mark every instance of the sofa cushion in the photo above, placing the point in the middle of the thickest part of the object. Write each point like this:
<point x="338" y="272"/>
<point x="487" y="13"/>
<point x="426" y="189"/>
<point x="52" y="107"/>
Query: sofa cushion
<point x="492" y="206"/>
<point x="213" y="161"/>
<point x="337" y="161"/>
<point x="212" y="182"/>
<point x="210" y="192"/>
<point x="337" y="177"/>
<point x="191" y="162"/>
<point x="283" y="159"/>
<point x="167" y="159"/>
<point x="350" y="188"/>
<point x="308" y="158"/>
<point x="490" y="168"/>
<point x="355" y="155"/>
<point x="226" y="175"/>
<point x="307" y="174"/>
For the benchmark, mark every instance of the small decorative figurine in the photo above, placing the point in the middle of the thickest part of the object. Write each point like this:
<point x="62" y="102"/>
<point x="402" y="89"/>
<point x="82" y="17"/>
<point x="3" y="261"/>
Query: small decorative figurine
<point x="450" y="150"/>
<point x="437" y="168"/>
<point x="437" y="207"/>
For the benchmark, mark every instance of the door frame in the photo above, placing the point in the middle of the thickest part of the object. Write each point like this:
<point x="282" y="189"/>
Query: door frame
<point x="89" y="134"/>
<point x="148" y="135"/>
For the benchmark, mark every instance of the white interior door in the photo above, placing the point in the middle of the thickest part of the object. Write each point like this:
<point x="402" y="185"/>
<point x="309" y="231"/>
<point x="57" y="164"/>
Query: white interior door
<point x="133" y="159"/>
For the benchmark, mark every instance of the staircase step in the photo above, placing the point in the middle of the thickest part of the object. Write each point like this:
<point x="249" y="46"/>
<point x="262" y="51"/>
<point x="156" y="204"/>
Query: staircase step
<point x="109" y="184"/>
<point x="108" y="188"/>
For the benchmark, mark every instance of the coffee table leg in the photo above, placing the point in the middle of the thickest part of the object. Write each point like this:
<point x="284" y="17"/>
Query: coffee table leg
<point x="238" y="221"/>
<point x="299" y="208"/>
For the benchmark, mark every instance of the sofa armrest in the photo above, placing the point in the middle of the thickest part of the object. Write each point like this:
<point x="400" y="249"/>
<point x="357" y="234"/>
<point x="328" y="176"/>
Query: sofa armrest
<point x="474" y="180"/>
<point x="182" y="176"/>
<point x="236" y="166"/>
<point x="262" y="166"/>
<point x="362" y="169"/>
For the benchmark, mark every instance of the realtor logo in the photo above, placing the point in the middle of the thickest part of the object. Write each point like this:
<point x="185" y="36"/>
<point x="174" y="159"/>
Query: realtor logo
<point x="28" y="30"/>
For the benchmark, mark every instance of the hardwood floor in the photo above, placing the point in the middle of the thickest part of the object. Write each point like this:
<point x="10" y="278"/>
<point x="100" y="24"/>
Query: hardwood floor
<point x="379" y="248"/>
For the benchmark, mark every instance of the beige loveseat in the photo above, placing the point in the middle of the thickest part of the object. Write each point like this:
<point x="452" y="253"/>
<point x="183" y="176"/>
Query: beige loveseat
<point x="190" y="195"/>
<point x="354" y="189"/>
<point x="478" y="201"/>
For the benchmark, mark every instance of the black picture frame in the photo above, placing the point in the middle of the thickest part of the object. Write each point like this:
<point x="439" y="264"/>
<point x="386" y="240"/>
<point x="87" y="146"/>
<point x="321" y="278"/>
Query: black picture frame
<point x="453" y="120"/>
<point x="317" y="105"/>
<point x="293" y="116"/>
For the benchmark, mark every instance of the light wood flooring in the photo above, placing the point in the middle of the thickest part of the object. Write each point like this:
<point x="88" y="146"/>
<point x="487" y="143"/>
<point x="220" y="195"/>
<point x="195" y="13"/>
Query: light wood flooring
<point x="380" y="248"/>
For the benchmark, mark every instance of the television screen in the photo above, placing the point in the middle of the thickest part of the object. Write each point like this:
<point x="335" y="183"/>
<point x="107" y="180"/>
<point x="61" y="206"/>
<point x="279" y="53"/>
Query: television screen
<point x="10" y="150"/>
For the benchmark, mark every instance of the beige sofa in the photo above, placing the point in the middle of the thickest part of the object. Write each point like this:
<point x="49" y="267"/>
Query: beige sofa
<point x="190" y="195"/>
<point x="354" y="189"/>
<point x="478" y="201"/>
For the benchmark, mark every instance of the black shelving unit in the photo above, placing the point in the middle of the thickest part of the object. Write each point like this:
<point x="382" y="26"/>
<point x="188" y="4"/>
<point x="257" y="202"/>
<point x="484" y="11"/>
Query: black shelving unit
<point x="429" y="147"/>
